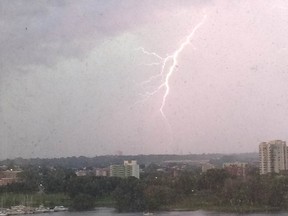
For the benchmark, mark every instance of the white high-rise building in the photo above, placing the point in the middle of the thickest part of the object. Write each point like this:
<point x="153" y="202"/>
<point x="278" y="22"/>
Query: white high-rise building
<point x="273" y="156"/>
<point x="132" y="168"/>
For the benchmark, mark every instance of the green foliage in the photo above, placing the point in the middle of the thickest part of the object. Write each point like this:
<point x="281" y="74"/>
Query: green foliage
<point x="104" y="161"/>
<point x="186" y="183"/>
<point x="34" y="200"/>
<point x="30" y="178"/>
<point x="82" y="202"/>
<point x="19" y="187"/>
<point x="157" y="196"/>
<point x="212" y="180"/>
<point x="55" y="180"/>
<point x="129" y="195"/>
<point x="92" y="185"/>
<point x="154" y="191"/>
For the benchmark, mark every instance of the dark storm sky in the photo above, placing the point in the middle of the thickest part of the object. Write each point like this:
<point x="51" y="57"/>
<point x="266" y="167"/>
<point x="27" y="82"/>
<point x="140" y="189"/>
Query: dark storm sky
<point x="72" y="73"/>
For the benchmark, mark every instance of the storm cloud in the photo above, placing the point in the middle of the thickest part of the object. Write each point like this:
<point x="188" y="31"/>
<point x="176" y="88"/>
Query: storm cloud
<point x="71" y="74"/>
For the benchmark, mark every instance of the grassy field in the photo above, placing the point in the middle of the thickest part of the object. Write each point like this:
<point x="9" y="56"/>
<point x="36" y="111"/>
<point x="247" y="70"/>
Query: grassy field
<point x="210" y="203"/>
<point x="105" y="202"/>
<point x="34" y="200"/>
<point x="191" y="203"/>
<point x="49" y="200"/>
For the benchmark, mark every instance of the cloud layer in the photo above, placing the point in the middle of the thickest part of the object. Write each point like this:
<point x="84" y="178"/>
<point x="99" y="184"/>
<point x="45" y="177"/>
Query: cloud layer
<point x="71" y="75"/>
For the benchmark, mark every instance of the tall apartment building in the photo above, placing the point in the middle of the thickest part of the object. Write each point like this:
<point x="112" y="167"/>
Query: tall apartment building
<point x="273" y="156"/>
<point x="132" y="168"/>
<point x="129" y="168"/>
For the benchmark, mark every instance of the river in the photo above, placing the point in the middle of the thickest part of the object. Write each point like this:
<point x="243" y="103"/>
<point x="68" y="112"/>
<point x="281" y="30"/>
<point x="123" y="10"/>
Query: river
<point x="111" y="212"/>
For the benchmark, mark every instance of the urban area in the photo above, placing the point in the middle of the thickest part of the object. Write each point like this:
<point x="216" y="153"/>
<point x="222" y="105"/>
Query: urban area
<point x="249" y="182"/>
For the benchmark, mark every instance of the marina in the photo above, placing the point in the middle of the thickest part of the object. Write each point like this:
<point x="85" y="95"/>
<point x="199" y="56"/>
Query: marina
<point x="21" y="209"/>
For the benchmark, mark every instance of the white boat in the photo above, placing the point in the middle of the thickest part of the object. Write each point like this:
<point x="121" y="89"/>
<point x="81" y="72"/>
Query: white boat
<point x="16" y="210"/>
<point x="60" y="208"/>
<point x="147" y="213"/>
<point x="42" y="209"/>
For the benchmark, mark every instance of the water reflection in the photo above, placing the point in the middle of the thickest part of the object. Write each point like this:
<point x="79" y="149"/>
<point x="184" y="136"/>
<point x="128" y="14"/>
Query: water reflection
<point x="111" y="212"/>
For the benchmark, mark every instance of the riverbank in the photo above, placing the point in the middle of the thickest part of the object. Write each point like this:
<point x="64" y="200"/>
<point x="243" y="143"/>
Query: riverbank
<point x="194" y="203"/>
<point x="230" y="209"/>
<point x="34" y="199"/>
<point x="191" y="203"/>
<point x="21" y="210"/>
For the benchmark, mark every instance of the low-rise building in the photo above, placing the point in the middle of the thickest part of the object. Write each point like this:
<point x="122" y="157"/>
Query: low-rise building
<point x="101" y="172"/>
<point x="81" y="173"/>
<point x="236" y="168"/>
<point x="207" y="166"/>
<point x="9" y="176"/>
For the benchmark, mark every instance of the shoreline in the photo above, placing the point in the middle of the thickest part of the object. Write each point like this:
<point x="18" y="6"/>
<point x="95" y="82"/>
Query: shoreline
<point x="215" y="209"/>
<point x="22" y="210"/>
<point x="230" y="209"/>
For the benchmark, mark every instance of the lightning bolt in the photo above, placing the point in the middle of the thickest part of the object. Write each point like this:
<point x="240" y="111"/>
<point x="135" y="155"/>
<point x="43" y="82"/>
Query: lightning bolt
<point x="167" y="72"/>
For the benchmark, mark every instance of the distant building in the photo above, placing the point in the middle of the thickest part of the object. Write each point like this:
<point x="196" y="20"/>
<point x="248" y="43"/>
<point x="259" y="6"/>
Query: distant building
<point x="129" y="168"/>
<point x="101" y="172"/>
<point x="8" y="177"/>
<point x="207" y="166"/>
<point x="236" y="168"/>
<point x="176" y="172"/>
<point x="117" y="171"/>
<point x="81" y="173"/>
<point x="273" y="157"/>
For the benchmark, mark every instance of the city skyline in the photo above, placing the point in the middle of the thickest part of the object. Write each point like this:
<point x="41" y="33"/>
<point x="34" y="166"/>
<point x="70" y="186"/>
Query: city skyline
<point x="100" y="78"/>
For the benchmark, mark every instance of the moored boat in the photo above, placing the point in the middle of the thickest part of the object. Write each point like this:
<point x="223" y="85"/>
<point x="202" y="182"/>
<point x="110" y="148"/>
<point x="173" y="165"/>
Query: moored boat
<point x="60" y="208"/>
<point x="147" y="213"/>
<point x="42" y="209"/>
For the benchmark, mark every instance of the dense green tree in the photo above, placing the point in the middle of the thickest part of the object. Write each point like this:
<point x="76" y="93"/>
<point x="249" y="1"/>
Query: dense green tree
<point x="157" y="196"/>
<point x="30" y="178"/>
<point x="92" y="185"/>
<point x="213" y="180"/>
<point x="185" y="184"/>
<point x="278" y="191"/>
<point x="129" y="196"/>
<point x="82" y="202"/>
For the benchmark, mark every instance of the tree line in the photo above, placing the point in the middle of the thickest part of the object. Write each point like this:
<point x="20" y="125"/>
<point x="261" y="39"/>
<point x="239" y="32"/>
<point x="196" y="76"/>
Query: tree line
<point x="106" y="160"/>
<point x="159" y="190"/>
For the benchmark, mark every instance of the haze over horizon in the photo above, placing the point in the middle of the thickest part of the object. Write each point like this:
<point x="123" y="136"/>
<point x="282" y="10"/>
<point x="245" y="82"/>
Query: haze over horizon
<point x="73" y="77"/>
<point x="135" y="156"/>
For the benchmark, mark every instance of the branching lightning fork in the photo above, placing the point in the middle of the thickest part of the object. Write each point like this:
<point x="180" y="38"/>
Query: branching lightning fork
<point x="166" y="73"/>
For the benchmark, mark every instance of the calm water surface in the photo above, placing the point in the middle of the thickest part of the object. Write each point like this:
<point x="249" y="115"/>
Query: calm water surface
<point x="111" y="212"/>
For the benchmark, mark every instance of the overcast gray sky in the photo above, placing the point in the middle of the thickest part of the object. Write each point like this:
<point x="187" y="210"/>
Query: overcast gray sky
<point x="73" y="79"/>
